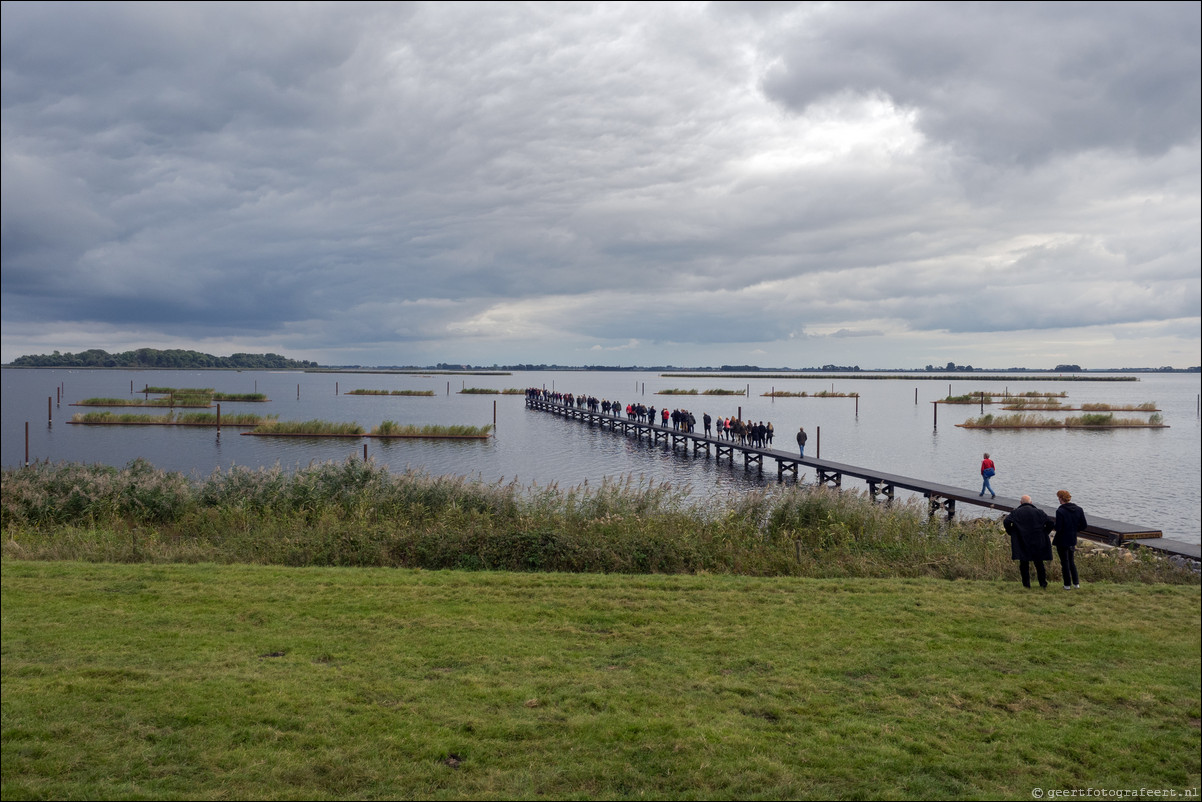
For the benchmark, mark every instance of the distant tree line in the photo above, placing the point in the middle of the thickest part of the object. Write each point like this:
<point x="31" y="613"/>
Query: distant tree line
<point x="155" y="358"/>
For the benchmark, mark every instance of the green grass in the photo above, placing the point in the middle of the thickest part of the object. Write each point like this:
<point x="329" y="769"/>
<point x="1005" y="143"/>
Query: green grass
<point x="309" y="427"/>
<point x="391" y="392"/>
<point x="393" y="429"/>
<point x="479" y="391"/>
<point x="250" y="682"/>
<point x="701" y="392"/>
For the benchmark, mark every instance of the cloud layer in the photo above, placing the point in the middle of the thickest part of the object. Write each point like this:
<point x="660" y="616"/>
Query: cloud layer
<point x="782" y="184"/>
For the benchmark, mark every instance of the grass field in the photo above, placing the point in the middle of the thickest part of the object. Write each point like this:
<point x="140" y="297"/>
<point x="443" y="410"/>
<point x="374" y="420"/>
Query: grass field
<point x="262" y="682"/>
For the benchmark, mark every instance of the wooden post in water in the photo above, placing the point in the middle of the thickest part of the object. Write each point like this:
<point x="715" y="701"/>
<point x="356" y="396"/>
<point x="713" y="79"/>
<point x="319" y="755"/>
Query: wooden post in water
<point x="335" y="388"/>
<point x="131" y="386"/>
<point x="219" y="421"/>
<point x="298" y="392"/>
<point x="935" y="406"/>
<point x="26" y="444"/>
<point x="49" y="411"/>
<point x="857" y="405"/>
<point x="982" y="392"/>
<point x="915" y="396"/>
<point x="494" y="415"/>
<point x="819" y="437"/>
<point x="365" y="452"/>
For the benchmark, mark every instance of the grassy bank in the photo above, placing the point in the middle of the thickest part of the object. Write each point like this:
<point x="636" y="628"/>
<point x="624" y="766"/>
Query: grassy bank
<point x="240" y="682"/>
<point x="360" y="514"/>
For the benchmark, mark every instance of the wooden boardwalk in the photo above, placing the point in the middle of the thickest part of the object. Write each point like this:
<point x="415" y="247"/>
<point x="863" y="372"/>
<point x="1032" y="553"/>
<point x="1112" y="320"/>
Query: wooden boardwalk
<point x="880" y="485"/>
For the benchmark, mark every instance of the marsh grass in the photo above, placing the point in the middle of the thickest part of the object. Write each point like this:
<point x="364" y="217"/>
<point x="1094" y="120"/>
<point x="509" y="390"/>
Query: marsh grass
<point x="1147" y="406"/>
<point x="171" y="418"/>
<point x="359" y="513"/>
<point x="1089" y="420"/>
<point x="391" y="392"/>
<point x="178" y="401"/>
<point x="250" y="682"/>
<point x="255" y="397"/>
<point x="803" y="394"/>
<point x="393" y="429"/>
<point x="316" y="428"/>
<point x="479" y="391"/>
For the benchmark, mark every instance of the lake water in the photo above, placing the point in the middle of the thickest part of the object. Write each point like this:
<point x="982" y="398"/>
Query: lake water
<point x="1144" y="476"/>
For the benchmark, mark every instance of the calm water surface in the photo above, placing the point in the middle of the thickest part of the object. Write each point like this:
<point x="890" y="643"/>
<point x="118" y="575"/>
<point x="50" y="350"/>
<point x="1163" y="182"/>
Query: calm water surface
<point x="1145" y="476"/>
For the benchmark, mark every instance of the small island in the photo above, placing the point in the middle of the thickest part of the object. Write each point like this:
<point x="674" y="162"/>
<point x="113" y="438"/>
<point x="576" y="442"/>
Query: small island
<point x="170" y="419"/>
<point x="393" y="429"/>
<point x="391" y="392"/>
<point x="1094" y="420"/>
<point x="309" y="428"/>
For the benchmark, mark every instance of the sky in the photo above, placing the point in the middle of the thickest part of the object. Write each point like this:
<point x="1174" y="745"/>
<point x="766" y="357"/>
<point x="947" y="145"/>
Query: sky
<point x="779" y="184"/>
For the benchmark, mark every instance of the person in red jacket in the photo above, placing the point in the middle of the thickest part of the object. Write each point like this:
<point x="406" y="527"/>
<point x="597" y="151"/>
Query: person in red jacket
<point x="987" y="470"/>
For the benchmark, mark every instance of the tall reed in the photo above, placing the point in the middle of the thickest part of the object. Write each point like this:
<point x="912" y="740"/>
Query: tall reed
<point x="360" y="513"/>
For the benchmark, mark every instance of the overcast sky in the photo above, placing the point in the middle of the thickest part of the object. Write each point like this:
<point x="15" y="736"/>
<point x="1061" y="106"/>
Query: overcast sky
<point x="781" y="184"/>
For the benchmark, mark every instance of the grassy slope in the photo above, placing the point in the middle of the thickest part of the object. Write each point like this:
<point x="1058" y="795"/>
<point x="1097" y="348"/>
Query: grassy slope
<point x="198" y="681"/>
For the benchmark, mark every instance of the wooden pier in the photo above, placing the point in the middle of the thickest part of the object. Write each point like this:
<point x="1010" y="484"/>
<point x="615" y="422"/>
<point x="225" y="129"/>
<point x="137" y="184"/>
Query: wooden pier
<point x="880" y="485"/>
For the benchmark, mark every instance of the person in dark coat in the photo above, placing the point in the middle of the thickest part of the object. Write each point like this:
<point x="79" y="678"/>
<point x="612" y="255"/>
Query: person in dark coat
<point x="1028" y="527"/>
<point x="1070" y="519"/>
<point x="801" y="441"/>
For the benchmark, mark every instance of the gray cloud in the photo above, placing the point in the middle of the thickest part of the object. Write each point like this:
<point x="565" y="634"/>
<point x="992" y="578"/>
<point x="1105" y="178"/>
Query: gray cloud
<point x="399" y="183"/>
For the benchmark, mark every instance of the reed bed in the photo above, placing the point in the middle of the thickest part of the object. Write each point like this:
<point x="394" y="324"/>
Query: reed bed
<point x="256" y="397"/>
<point x="393" y="429"/>
<point x="803" y="394"/>
<point x="178" y="390"/>
<point x="479" y="391"/>
<point x="1092" y="420"/>
<point x="968" y="398"/>
<point x="1049" y="405"/>
<point x="391" y="392"/>
<point x="112" y="418"/>
<point x="171" y="418"/>
<point x="177" y="401"/>
<point x="701" y="392"/>
<point x="316" y="428"/>
<point x="358" y="513"/>
<point x="1147" y="406"/>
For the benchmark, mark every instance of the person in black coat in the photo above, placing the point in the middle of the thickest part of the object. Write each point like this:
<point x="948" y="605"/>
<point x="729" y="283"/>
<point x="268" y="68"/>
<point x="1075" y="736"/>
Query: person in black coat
<point x="1028" y="527"/>
<point x="1070" y="519"/>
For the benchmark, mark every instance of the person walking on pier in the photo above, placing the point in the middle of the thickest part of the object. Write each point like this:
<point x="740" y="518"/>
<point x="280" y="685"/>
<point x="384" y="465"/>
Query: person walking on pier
<point x="801" y="441"/>
<point x="987" y="471"/>
<point x="708" y="421"/>
<point x="1029" y="527"/>
<point x="1070" y="519"/>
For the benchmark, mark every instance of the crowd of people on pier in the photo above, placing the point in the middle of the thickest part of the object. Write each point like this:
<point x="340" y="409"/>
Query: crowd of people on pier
<point x="744" y="432"/>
